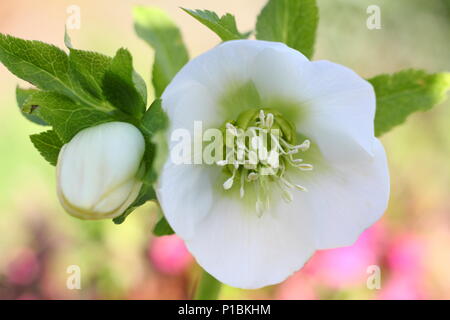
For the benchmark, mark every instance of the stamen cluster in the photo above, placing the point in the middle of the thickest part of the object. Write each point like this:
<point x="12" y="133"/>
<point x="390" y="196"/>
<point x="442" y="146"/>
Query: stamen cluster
<point x="259" y="156"/>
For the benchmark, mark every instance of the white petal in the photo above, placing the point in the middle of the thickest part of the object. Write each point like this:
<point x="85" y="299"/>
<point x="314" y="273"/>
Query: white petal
<point x="341" y="110"/>
<point x="186" y="195"/>
<point x="228" y="62"/>
<point x="115" y="197"/>
<point x="279" y="74"/>
<point x="337" y="110"/>
<point x="191" y="102"/>
<point x="336" y="106"/>
<point x="242" y="250"/>
<point x="195" y="92"/>
<point x="347" y="198"/>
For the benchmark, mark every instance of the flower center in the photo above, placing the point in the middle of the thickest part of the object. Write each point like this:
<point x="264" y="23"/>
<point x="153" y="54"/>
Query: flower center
<point x="260" y="147"/>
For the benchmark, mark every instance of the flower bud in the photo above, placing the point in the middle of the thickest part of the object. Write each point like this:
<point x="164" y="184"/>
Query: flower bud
<point x="98" y="171"/>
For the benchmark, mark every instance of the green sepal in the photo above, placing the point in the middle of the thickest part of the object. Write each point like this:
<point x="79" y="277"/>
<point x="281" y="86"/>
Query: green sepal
<point x="162" y="228"/>
<point x="48" y="144"/>
<point x="119" y="85"/>
<point x="88" y="68"/>
<point x="43" y="65"/>
<point x="65" y="116"/>
<point x="153" y="127"/>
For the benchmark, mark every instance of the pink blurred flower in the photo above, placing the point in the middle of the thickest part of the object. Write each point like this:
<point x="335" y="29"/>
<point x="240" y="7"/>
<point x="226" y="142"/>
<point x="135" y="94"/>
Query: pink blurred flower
<point x="297" y="287"/>
<point x="400" y="287"/>
<point x="405" y="264"/>
<point x="405" y="256"/>
<point x="28" y="296"/>
<point x="24" y="267"/>
<point x="347" y="266"/>
<point x="169" y="255"/>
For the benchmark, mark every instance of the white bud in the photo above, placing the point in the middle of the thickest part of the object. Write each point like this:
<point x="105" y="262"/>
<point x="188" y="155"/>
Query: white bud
<point x="97" y="171"/>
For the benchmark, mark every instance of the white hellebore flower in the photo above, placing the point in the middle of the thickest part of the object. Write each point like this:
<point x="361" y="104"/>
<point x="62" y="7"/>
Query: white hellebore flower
<point x="251" y="230"/>
<point x="98" y="170"/>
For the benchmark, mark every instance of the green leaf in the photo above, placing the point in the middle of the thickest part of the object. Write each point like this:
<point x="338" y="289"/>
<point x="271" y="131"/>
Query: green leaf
<point x="21" y="96"/>
<point x="402" y="93"/>
<point x="225" y="27"/>
<point x="66" y="117"/>
<point x="119" y="85"/>
<point x="140" y="86"/>
<point x="43" y="65"/>
<point x="88" y="68"/>
<point x="154" y="27"/>
<point x="162" y="228"/>
<point x="153" y="126"/>
<point x="155" y="119"/>
<point x="293" y="22"/>
<point x="48" y="144"/>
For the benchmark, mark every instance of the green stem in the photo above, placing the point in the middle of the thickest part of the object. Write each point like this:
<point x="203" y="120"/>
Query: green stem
<point x="208" y="288"/>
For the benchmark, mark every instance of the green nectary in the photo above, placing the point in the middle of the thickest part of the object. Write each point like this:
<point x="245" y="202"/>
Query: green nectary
<point x="241" y="97"/>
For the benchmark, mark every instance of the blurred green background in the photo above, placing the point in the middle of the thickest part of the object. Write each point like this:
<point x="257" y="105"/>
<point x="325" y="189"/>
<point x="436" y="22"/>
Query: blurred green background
<point x="411" y="244"/>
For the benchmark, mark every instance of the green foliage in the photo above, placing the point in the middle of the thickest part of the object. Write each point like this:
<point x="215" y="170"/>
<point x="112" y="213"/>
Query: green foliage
<point x="88" y="68"/>
<point x="225" y="27"/>
<point x="293" y="22"/>
<point x="162" y="228"/>
<point x="65" y="116"/>
<point x="21" y="96"/>
<point x="402" y="93"/>
<point x="48" y="144"/>
<point x="81" y="90"/>
<point x="154" y="123"/>
<point x="119" y="85"/>
<point x="155" y="119"/>
<point x="43" y="65"/>
<point x="154" y="27"/>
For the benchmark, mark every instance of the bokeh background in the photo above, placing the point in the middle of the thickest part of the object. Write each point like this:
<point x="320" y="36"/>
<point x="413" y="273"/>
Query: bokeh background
<point x="411" y="243"/>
